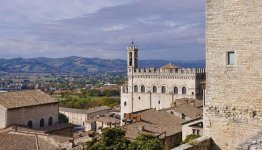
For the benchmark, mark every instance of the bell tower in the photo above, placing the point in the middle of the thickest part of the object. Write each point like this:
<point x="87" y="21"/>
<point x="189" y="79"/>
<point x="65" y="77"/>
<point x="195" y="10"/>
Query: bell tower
<point x="132" y="58"/>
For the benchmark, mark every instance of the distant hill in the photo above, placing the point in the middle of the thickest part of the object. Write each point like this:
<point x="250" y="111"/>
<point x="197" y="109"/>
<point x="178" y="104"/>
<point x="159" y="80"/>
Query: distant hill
<point x="81" y="65"/>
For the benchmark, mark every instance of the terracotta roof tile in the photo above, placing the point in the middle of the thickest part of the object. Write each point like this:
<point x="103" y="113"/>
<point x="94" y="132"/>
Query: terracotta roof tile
<point x="25" y="98"/>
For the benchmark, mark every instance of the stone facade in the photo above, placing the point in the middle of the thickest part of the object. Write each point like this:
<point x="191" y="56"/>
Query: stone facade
<point x="194" y="126"/>
<point x="233" y="111"/>
<point x="80" y="116"/>
<point x="3" y="111"/>
<point x="22" y="116"/>
<point x="157" y="88"/>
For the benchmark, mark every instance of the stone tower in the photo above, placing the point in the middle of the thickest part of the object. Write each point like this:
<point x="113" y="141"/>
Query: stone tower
<point x="132" y="57"/>
<point x="233" y="111"/>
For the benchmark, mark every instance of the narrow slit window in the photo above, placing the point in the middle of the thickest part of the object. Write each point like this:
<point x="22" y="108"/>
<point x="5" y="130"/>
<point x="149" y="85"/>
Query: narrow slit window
<point x="231" y="58"/>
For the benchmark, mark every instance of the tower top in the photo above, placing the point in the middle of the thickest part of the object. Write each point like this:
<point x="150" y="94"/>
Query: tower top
<point x="132" y="45"/>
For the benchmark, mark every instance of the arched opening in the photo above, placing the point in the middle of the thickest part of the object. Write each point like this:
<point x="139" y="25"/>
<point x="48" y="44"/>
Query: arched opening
<point x="30" y="124"/>
<point x="130" y="59"/>
<point x="163" y="89"/>
<point x="175" y="90"/>
<point x="154" y="89"/>
<point x="50" y="121"/>
<point x="124" y="103"/>
<point x="42" y="123"/>
<point x="135" y="88"/>
<point x="143" y="89"/>
<point x="183" y="90"/>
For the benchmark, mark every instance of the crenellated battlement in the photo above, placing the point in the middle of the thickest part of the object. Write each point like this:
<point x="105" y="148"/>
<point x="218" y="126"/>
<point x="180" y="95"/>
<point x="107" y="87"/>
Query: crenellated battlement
<point x="180" y="72"/>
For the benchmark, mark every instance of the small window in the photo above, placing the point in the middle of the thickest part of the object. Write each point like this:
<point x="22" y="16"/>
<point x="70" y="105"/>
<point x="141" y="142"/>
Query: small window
<point x="175" y="90"/>
<point x="183" y="90"/>
<point x="135" y="88"/>
<point x="42" y="123"/>
<point x="194" y="131"/>
<point x="143" y="89"/>
<point x="158" y="102"/>
<point x="154" y="89"/>
<point x="30" y="124"/>
<point x="163" y="89"/>
<point x="50" y="121"/>
<point x="124" y="103"/>
<point x="198" y="132"/>
<point x="231" y="58"/>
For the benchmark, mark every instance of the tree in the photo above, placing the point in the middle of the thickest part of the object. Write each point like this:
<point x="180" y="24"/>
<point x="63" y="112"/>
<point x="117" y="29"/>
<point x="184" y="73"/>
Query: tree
<point x="111" y="139"/>
<point x="146" y="142"/>
<point x="63" y="118"/>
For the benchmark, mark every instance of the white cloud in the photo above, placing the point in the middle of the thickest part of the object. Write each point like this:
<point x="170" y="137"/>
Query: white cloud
<point x="114" y="28"/>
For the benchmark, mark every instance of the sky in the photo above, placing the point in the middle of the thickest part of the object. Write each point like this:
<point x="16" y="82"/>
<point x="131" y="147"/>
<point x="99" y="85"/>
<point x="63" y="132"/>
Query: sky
<point x="162" y="29"/>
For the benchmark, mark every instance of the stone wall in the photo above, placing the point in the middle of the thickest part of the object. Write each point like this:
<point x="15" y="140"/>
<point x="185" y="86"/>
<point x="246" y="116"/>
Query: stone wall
<point x="2" y="117"/>
<point x="233" y="92"/>
<point x="202" y="143"/>
<point x="21" y="116"/>
<point x="80" y="118"/>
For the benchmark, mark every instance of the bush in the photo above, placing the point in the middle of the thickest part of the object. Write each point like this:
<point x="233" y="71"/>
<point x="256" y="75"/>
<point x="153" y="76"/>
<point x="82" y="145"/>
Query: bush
<point x="190" y="138"/>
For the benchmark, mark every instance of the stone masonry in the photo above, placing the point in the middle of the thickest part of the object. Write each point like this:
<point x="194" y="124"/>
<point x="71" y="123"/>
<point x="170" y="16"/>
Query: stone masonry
<point x="233" y="111"/>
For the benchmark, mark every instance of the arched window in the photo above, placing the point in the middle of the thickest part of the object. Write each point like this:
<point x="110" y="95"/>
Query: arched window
<point x="143" y="89"/>
<point x="135" y="88"/>
<point x="154" y="89"/>
<point x="163" y="89"/>
<point x="175" y="90"/>
<point x="30" y="124"/>
<point x="124" y="103"/>
<point x="50" y="121"/>
<point x="183" y="90"/>
<point x="42" y="123"/>
<point x="130" y="59"/>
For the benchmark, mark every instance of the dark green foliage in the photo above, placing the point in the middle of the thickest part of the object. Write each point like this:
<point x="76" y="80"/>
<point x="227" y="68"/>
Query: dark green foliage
<point x="190" y="137"/>
<point x="111" y="139"/>
<point x="146" y="142"/>
<point x="114" y="139"/>
<point x="62" y="118"/>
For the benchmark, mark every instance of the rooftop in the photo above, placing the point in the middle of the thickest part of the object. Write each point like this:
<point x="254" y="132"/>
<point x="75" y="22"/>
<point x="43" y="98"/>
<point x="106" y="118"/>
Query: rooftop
<point x="84" y="111"/>
<point x="25" y="98"/>
<point x="170" y="66"/>
<point x="154" y="122"/>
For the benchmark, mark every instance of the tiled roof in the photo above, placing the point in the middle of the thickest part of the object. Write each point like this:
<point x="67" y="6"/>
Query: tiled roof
<point x="154" y="122"/>
<point x="25" y="98"/>
<point x="170" y="66"/>
<point x="83" y="111"/>
<point x="10" y="141"/>
<point x="188" y="110"/>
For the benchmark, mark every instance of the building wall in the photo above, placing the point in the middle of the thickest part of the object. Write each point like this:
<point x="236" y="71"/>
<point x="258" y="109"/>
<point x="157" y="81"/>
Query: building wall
<point x="173" y="141"/>
<point x="2" y="117"/>
<point x="68" y="132"/>
<point x="21" y="116"/>
<point x="75" y="118"/>
<point x="233" y="110"/>
<point x="147" y="100"/>
<point x="80" y="119"/>
<point x="187" y="130"/>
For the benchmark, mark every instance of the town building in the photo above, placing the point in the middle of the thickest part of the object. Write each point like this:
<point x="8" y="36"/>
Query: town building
<point x="33" y="109"/>
<point x="100" y="122"/>
<point x="157" y="88"/>
<point x="233" y="109"/>
<point x="193" y="126"/>
<point x="80" y="116"/>
<point x="158" y="123"/>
